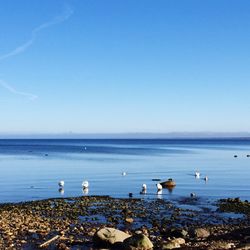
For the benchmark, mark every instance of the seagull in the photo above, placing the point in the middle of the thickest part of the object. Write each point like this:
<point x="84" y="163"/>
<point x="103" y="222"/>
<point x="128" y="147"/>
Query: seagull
<point x="197" y="174"/>
<point x="206" y="178"/>
<point x="144" y="189"/>
<point x="159" y="186"/>
<point x="85" y="184"/>
<point x="124" y="173"/>
<point x="61" y="184"/>
<point x="192" y="195"/>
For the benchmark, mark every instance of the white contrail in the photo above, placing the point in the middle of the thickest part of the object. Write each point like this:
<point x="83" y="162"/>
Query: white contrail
<point x="10" y="88"/>
<point x="61" y="18"/>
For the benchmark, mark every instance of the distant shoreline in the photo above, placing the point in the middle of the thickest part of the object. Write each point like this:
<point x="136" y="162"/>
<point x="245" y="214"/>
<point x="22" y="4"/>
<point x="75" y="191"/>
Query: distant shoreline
<point x="194" y="138"/>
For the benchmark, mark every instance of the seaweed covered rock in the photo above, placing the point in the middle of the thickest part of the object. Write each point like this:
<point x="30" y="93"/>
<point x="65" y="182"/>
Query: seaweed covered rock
<point x="234" y="205"/>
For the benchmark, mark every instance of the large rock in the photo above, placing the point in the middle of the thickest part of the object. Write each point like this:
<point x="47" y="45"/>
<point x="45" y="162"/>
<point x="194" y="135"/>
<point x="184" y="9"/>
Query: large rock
<point x="107" y="236"/>
<point x="137" y="242"/>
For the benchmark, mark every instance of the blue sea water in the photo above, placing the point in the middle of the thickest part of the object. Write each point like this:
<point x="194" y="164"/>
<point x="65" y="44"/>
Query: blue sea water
<point x="31" y="169"/>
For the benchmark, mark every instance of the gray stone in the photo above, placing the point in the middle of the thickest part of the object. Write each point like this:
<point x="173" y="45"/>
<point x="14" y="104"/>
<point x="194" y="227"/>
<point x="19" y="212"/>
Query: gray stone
<point x="137" y="242"/>
<point x="173" y="244"/>
<point x="109" y="236"/>
<point x="200" y="233"/>
<point x="170" y="245"/>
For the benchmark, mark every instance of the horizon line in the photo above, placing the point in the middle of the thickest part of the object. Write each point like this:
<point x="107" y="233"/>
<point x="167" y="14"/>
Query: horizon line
<point x="127" y="135"/>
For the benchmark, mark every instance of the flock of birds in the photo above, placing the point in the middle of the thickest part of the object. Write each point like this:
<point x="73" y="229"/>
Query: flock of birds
<point x="85" y="185"/>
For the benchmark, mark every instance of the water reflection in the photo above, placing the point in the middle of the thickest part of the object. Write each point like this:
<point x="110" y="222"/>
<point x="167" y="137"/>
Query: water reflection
<point x="85" y="191"/>
<point x="159" y="194"/>
<point x="170" y="189"/>
<point x="61" y="190"/>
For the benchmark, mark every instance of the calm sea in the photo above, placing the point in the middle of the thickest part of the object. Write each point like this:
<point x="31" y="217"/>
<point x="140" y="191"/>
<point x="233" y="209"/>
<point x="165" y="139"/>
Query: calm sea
<point x="31" y="169"/>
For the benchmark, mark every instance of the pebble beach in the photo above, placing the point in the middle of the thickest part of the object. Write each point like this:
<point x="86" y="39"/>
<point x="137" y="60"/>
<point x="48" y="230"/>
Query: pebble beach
<point x="76" y="223"/>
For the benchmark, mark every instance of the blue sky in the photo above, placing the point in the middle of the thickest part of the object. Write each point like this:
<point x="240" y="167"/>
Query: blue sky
<point x="94" y="66"/>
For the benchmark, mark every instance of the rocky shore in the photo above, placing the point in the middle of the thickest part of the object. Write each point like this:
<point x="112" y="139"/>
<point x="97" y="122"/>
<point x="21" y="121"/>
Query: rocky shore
<point x="102" y="222"/>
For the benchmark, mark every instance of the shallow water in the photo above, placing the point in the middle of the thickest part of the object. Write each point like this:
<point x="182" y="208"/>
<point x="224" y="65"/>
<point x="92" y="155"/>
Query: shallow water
<point x="31" y="169"/>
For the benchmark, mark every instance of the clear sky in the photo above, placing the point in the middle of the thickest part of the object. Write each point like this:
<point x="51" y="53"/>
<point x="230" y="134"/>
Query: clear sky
<point x="103" y="66"/>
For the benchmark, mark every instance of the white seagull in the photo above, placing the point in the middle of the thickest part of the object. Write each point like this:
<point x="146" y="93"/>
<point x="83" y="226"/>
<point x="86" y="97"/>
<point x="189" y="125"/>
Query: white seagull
<point x="61" y="183"/>
<point x="197" y="174"/>
<point x="85" y="184"/>
<point x="159" y="186"/>
<point x="144" y="189"/>
<point x="206" y="178"/>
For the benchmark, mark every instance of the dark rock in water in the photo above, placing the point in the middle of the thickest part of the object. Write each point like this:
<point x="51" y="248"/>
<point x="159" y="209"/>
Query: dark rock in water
<point x="248" y="155"/>
<point x="137" y="242"/>
<point x="46" y="154"/>
<point x="107" y="237"/>
<point x="234" y="205"/>
<point x="199" y="233"/>
<point x="235" y="156"/>
<point x="156" y="179"/>
<point x="130" y="195"/>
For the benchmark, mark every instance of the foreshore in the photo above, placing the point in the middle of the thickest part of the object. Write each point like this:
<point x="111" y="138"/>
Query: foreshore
<point x="73" y="223"/>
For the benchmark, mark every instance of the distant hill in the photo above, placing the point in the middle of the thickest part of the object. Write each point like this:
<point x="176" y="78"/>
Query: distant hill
<point x="171" y="135"/>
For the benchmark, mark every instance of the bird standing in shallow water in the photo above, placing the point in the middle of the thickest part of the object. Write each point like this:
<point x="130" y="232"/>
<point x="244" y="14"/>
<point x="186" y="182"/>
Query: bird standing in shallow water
<point x="144" y="189"/>
<point x="197" y="174"/>
<point x="159" y="186"/>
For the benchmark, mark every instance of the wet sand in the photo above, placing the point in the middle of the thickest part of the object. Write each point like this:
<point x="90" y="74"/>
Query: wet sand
<point x="70" y="223"/>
